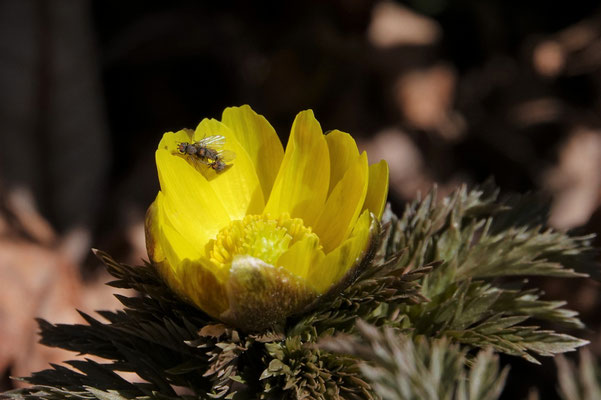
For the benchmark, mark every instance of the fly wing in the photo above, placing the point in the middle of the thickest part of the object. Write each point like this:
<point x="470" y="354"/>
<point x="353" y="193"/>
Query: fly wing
<point x="198" y="163"/>
<point x="227" y="156"/>
<point x="215" y="142"/>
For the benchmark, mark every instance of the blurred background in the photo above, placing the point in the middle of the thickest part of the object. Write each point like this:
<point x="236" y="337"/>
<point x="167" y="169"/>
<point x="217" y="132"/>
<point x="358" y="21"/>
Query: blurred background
<point x="447" y="91"/>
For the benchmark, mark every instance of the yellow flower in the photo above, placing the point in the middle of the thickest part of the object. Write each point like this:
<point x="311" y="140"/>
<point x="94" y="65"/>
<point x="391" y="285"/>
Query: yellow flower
<point x="275" y="230"/>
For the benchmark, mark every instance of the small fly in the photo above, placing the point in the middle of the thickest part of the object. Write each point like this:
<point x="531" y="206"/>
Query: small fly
<point x="208" y="151"/>
<point x="223" y="157"/>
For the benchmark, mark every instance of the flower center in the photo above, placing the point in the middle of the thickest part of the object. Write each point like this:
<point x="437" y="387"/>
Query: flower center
<point x="258" y="236"/>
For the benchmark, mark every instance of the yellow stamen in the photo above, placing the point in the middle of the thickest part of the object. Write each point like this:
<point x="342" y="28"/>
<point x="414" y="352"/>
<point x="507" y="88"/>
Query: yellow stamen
<point x="259" y="236"/>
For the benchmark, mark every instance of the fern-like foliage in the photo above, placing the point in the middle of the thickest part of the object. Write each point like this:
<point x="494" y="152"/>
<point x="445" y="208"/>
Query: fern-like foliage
<point x="400" y="369"/>
<point x="449" y="276"/>
<point x="478" y="295"/>
<point x="582" y="382"/>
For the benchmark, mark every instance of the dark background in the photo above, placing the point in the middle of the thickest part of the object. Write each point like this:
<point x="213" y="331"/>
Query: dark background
<point x="448" y="91"/>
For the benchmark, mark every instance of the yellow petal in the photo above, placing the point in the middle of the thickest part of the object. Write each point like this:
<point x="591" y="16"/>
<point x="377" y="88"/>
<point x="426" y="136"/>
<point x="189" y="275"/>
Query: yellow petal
<point x="343" y="153"/>
<point x="301" y="256"/>
<point x="152" y="231"/>
<point x="343" y="205"/>
<point x="191" y="276"/>
<point x="201" y="284"/>
<point x="259" y="139"/>
<point x="301" y="186"/>
<point x="170" y="140"/>
<point x="336" y="264"/>
<point x="193" y="208"/>
<point x="238" y="186"/>
<point x="377" y="190"/>
<point x="178" y="247"/>
<point x="164" y="242"/>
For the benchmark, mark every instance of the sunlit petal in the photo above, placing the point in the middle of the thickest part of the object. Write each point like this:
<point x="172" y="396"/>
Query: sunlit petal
<point x="301" y="256"/>
<point x="260" y="140"/>
<point x="171" y="140"/>
<point x="343" y="205"/>
<point x="163" y="240"/>
<point x="301" y="185"/>
<point x="338" y="262"/>
<point x="179" y="246"/>
<point x="377" y="190"/>
<point x="193" y="207"/>
<point x="343" y="153"/>
<point x="191" y="276"/>
<point x="238" y="186"/>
